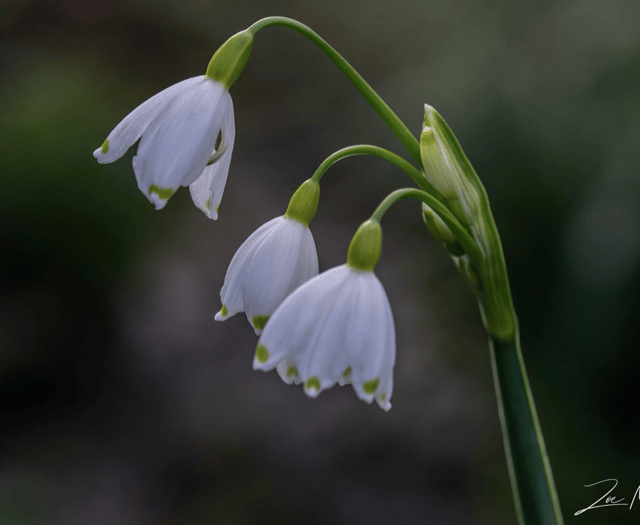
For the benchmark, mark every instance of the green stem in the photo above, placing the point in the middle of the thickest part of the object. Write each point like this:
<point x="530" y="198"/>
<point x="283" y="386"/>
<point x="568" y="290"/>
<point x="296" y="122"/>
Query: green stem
<point x="389" y="117"/>
<point x="534" y="491"/>
<point x="465" y="240"/>
<point x="365" y="149"/>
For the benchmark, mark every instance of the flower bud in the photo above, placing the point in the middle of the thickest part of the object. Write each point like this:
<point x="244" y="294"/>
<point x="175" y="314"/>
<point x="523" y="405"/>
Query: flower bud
<point x="436" y="226"/>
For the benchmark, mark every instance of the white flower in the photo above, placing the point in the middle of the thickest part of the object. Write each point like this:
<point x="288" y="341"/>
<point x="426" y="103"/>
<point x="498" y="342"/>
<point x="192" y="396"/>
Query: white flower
<point x="179" y="128"/>
<point x="336" y="328"/>
<point x="276" y="259"/>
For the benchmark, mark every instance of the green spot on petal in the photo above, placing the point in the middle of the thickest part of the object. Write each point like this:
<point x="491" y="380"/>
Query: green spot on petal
<point x="383" y="397"/>
<point x="292" y="372"/>
<point x="262" y="354"/>
<point x="208" y="203"/>
<point x="217" y="208"/>
<point x="347" y="372"/>
<point x="259" y="321"/>
<point x="224" y="311"/>
<point x="312" y="382"/>
<point x="163" y="193"/>
<point x="370" y="386"/>
<point x="105" y="147"/>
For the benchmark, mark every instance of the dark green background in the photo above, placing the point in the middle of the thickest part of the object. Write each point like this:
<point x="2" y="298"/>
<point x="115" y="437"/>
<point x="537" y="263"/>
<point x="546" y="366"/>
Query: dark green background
<point x="122" y="400"/>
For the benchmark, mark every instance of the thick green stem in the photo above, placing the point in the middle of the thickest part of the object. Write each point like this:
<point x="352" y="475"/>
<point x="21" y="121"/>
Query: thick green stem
<point x="465" y="240"/>
<point x="389" y="117"/>
<point x="534" y="491"/>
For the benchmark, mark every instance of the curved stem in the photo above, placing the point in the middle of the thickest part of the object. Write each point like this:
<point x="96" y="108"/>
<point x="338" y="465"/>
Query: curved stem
<point x="389" y="117"/>
<point x="365" y="149"/>
<point x="465" y="240"/>
<point x="532" y="483"/>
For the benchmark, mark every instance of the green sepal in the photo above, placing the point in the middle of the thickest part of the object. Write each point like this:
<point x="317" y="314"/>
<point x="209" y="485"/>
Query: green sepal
<point x="304" y="202"/>
<point x="229" y="60"/>
<point x="449" y="170"/>
<point x="366" y="246"/>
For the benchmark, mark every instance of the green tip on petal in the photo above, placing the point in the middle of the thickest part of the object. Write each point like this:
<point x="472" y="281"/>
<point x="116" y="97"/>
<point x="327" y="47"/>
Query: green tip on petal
<point x="163" y="193"/>
<point x="259" y="321"/>
<point x="366" y="246"/>
<point x="371" y="386"/>
<point x="304" y="202"/>
<point x="312" y="382"/>
<point x="224" y="311"/>
<point x="262" y="354"/>
<point x="292" y="372"/>
<point x="105" y="147"/>
<point x="347" y="372"/>
<point x="208" y="203"/>
<point x="383" y="397"/>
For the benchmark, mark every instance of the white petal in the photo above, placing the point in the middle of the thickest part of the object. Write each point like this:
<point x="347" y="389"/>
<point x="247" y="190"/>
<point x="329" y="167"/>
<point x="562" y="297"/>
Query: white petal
<point x="231" y="293"/>
<point x="371" y="340"/>
<point x="177" y="144"/>
<point x="131" y="128"/>
<point x="287" y="332"/>
<point x="288" y="372"/>
<point x="208" y="188"/>
<point x="326" y="357"/>
<point x="280" y="263"/>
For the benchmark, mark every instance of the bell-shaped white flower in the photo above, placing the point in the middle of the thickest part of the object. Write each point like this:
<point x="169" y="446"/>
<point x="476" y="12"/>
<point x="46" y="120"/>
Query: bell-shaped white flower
<point x="276" y="259"/>
<point x="178" y="130"/>
<point x="336" y="328"/>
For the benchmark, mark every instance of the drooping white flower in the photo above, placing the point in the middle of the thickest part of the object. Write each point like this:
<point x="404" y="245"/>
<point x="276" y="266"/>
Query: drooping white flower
<point x="178" y="130"/>
<point x="336" y="328"/>
<point x="276" y="259"/>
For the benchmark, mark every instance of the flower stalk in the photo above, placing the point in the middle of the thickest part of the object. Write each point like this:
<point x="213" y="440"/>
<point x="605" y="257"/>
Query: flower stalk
<point x="390" y="118"/>
<point x="534" y="492"/>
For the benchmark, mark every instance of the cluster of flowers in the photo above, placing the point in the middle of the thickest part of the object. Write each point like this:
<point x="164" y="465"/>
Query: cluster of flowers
<point x="322" y="329"/>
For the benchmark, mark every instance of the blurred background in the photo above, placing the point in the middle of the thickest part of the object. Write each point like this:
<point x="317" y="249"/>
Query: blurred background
<point x="123" y="402"/>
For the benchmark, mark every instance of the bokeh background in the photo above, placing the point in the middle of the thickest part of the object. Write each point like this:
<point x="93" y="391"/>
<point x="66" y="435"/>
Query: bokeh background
<point x="123" y="402"/>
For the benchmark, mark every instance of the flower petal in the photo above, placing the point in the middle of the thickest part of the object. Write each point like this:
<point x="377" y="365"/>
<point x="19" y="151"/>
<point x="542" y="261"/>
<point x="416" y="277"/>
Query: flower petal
<point x="231" y="293"/>
<point x="288" y="330"/>
<point x="326" y="357"/>
<point x="282" y="261"/>
<point x="177" y="144"/>
<point x="371" y="340"/>
<point x="131" y="128"/>
<point x="208" y="188"/>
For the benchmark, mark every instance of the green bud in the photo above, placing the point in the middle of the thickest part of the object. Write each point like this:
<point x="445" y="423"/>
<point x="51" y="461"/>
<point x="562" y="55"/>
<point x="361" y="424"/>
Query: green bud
<point x="304" y="203"/>
<point x="366" y="246"/>
<point x="229" y="60"/>
<point x="448" y="169"/>
<point x="436" y="226"/>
